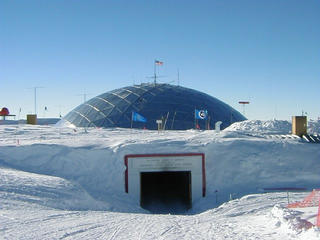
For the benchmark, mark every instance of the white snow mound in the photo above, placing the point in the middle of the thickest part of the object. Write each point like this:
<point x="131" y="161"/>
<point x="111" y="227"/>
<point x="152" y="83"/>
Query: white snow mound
<point x="48" y="173"/>
<point x="272" y="126"/>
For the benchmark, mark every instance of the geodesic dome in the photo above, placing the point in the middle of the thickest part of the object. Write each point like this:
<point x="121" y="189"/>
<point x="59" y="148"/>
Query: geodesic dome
<point x="174" y="105"/>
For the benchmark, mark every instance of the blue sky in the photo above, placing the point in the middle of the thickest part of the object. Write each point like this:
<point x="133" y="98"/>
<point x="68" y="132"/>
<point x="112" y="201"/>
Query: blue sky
<point x="263" y="51"/>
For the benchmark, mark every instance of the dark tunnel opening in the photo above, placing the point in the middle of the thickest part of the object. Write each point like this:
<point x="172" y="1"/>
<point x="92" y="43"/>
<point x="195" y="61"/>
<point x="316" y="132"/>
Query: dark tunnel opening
<point x="166" y="192"/>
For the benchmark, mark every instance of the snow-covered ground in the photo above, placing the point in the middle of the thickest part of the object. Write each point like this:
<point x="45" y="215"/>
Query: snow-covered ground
<point x="60" y="183"/>
<point x="272" y="127"/>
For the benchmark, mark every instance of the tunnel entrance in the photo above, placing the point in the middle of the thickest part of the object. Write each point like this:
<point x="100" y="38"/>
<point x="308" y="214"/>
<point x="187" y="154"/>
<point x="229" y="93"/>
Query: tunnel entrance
<point x="168" y="182"/>
<point x="166" y="192"/>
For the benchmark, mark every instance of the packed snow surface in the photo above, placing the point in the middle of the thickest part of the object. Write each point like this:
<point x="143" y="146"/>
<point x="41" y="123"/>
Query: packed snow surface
<point x="58" y="183"/>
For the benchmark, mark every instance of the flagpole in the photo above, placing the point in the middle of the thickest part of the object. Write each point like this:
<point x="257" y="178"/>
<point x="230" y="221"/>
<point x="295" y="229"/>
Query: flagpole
<point x="155" y="74"/>
<point x="178" y="78"/>
<point x="173" y="119"/>
<point x="195" y="123"/>
<point x="206" y="126"/>
<point x="19" y="114"/>
<point x="165" y="122"/>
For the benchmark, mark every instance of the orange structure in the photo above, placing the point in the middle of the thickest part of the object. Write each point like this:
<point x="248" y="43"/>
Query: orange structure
<point x="312" y="200"/>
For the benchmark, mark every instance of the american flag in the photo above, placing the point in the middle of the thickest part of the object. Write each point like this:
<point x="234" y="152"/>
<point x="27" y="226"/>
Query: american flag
<point x="158" y="62"/>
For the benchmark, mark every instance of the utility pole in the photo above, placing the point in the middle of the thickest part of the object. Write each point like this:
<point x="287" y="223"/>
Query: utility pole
<point x="35" y="99"/>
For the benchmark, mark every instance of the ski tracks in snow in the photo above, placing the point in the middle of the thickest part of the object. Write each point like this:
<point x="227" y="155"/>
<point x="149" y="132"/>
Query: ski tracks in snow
<point x="42" y="223"/>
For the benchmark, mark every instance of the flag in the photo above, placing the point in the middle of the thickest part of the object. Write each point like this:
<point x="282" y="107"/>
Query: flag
<point x="136" y="117"/>
<point x="158" y="62"/>
<point x="201" y="114"/>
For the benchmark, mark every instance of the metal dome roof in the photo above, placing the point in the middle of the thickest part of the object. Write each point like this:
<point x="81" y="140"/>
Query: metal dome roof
<point x="176" y="105"/>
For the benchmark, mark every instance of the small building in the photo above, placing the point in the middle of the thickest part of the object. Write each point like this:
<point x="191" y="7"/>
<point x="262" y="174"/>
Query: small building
<point x="32" y="119"/>
<point x="299" y="125"/>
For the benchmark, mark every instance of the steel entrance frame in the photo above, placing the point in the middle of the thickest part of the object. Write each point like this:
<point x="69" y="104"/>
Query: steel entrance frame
<point x="173" y="162"/>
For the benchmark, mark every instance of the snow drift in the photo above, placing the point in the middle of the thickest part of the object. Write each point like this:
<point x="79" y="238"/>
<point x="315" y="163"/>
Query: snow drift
<point x="69" y="183"/>
<point x="236" y="163"/>
<point x="272" y="126"/>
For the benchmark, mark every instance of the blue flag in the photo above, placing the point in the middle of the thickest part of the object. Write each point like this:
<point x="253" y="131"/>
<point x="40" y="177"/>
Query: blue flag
<point x="136" y="117"/>
<point x="201" y="114"/>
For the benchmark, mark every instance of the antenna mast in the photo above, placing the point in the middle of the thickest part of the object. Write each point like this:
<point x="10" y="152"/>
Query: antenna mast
<point x="35" y="99"/>
<point x="155" y="73"/>
<point x="159" y="63"/>
<point x="84" y="95"/>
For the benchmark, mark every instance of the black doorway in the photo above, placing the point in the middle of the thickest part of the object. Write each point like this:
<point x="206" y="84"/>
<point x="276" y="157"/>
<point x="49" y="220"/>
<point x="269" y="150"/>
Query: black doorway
<point x="166" y="192"/>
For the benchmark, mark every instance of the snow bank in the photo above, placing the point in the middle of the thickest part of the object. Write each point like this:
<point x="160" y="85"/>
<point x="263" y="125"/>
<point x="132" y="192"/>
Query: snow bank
<point x="236" y="163"/>
<point x="45" y="190"/>
<point x="291" y="221"/>
<point x="314" y="127"/>
<point x="271" y="126"/>
<point x="258" y="126"/>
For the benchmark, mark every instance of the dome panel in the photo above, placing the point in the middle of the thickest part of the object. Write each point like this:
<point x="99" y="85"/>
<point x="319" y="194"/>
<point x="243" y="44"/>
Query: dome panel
<point x="132" y="98"/>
